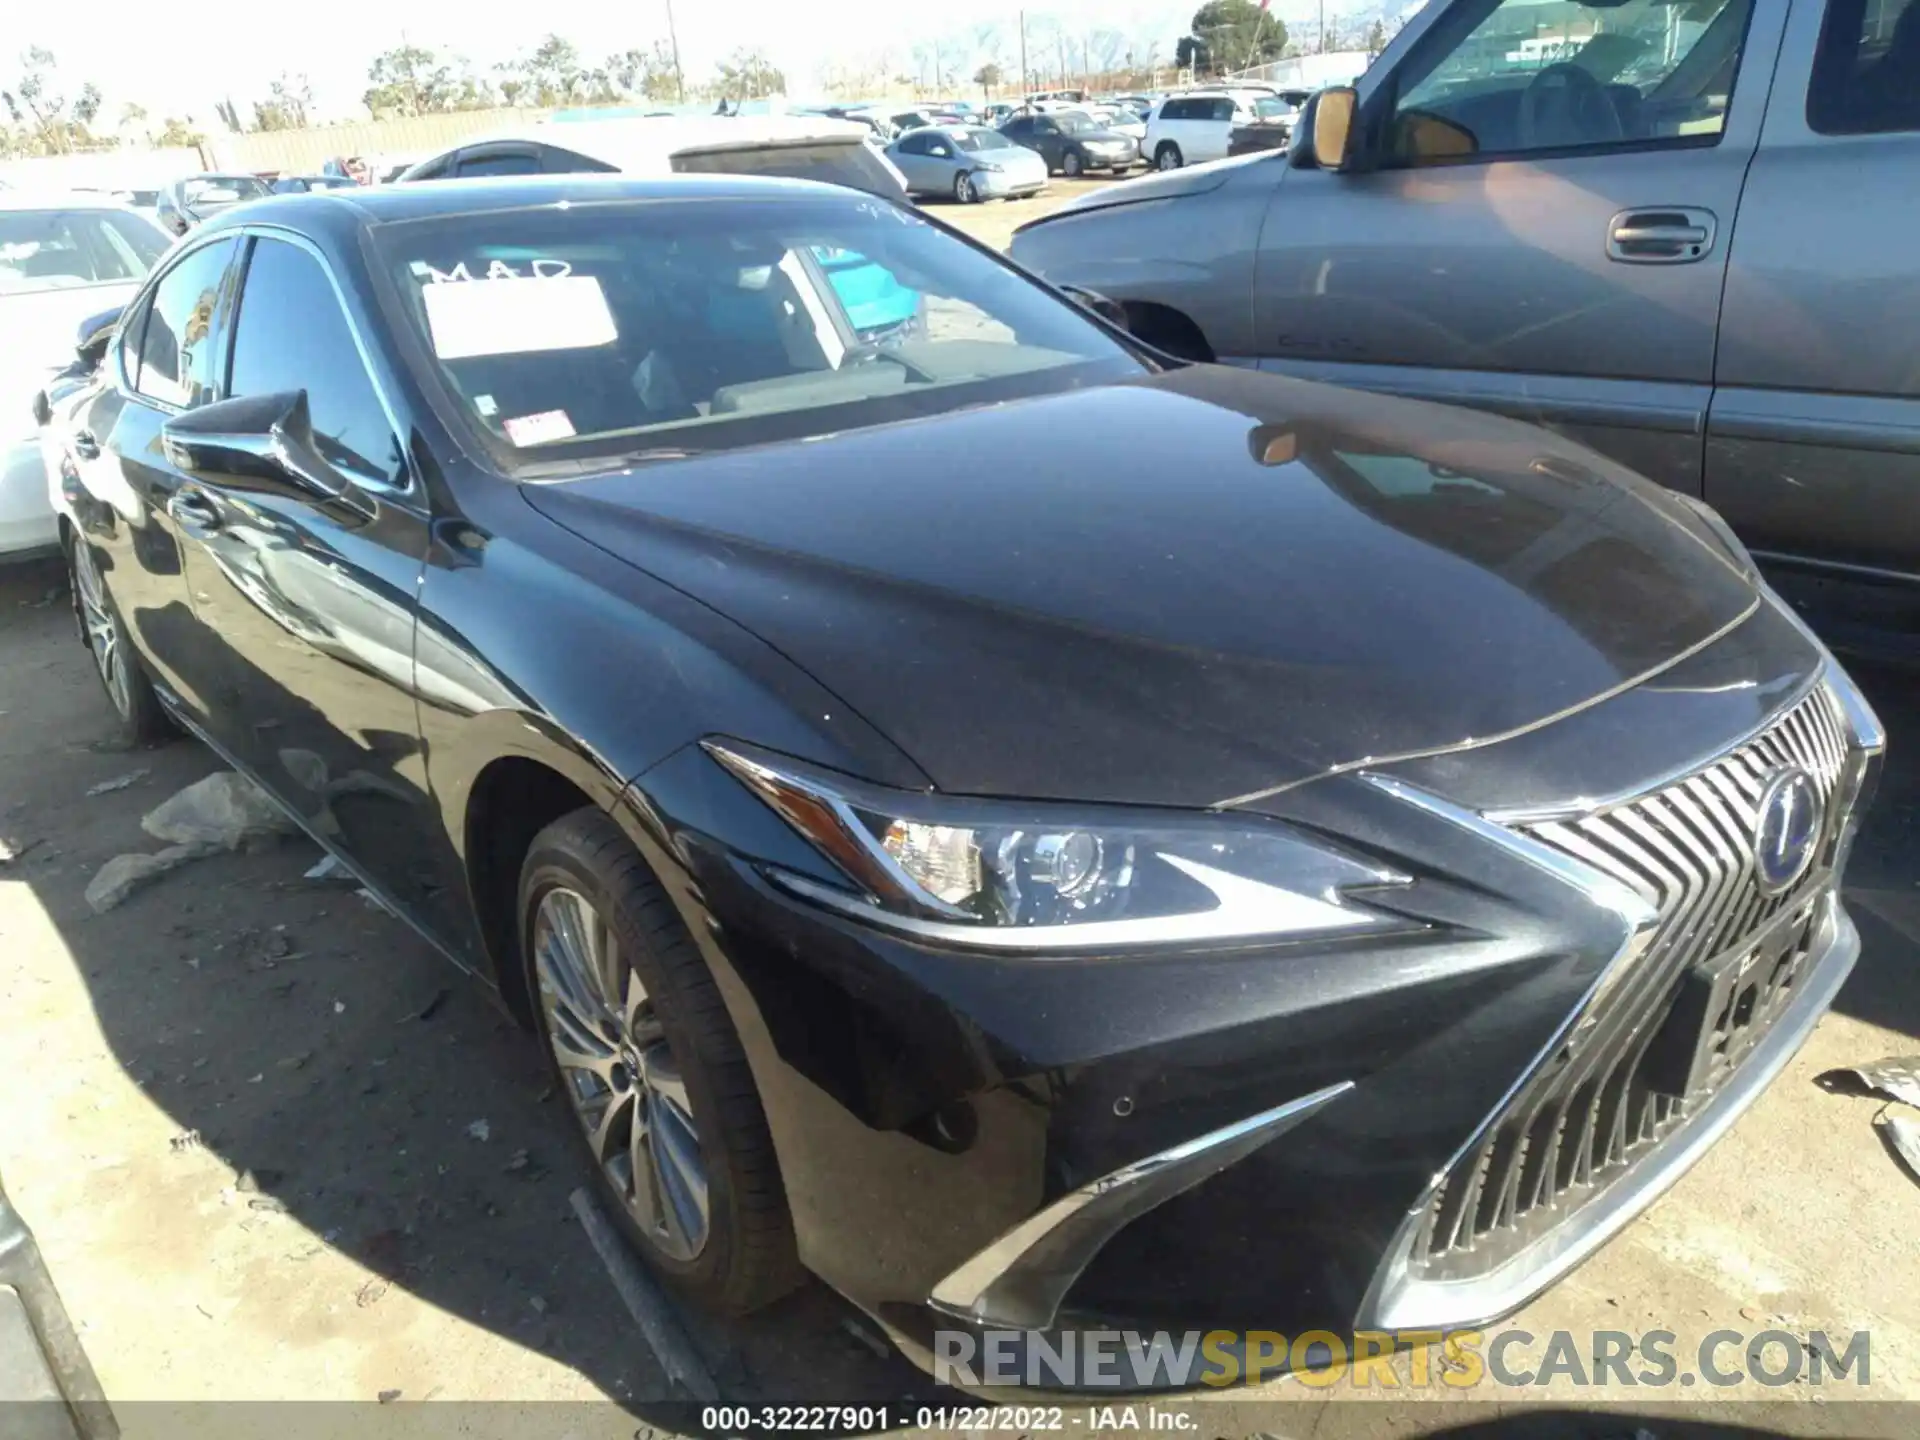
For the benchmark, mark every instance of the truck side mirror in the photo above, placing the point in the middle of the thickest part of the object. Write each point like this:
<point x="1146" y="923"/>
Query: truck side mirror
<point x="1332" y="134"/>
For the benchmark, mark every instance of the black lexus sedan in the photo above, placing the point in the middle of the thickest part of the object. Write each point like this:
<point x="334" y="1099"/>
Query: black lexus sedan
<point x="1030" y="831"/>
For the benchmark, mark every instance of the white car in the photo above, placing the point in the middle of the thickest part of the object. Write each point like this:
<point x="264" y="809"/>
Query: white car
<point x="804" y="147"/>
<point x="1193" y="128"/>
<point x="63" y="258"/>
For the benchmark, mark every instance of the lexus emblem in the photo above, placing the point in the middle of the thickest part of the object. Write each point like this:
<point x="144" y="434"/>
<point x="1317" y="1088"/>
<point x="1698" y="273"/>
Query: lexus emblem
<point x="1789" y="832"/>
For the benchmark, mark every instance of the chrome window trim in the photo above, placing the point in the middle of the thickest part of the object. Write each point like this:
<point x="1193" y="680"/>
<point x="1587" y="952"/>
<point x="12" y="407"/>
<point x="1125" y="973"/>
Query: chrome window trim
<point x="1019" y="1281"/>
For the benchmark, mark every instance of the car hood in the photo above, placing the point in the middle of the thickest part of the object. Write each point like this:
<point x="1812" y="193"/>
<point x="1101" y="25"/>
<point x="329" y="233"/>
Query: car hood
<point x="1184" y="589"/>
<point x="41" y="328"/>
<point x="1155" y="185"/>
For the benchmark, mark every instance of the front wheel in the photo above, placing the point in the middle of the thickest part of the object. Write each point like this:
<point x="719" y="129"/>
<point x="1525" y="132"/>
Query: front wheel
<point x="1070" y="166"/>
<point x="963" y="189"/>
<point x="141" y="719"/>
<point x="1167" y="157"/>
<point x="643" y="1049"/>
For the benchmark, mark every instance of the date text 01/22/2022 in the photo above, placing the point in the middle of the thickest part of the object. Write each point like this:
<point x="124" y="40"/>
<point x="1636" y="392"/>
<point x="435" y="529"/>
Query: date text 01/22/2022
<point x="970" y="1419"/>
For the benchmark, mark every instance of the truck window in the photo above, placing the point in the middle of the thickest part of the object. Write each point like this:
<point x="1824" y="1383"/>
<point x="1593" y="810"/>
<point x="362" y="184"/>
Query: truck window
<point x="1866" y="73"/>
<point x="1554" y="77"/>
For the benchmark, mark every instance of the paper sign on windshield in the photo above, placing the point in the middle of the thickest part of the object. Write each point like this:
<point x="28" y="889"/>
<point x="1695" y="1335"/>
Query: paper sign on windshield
<point x="518" y="316"/>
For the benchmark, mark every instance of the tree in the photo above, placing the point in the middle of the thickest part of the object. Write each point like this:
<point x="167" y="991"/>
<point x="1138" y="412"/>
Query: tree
<point x="649" y="74"/>
<point x="1376" y="40"/>
<point x="747" y="75"/>
<point x="555" y="76"/>
<point x="408" y="80"/>
<point x="179" y="134"/>
<point x="987" y="77"/>
<point x="286" y="107"/>
<point x="49" y="131"/>
<point x="1232" y="35"/>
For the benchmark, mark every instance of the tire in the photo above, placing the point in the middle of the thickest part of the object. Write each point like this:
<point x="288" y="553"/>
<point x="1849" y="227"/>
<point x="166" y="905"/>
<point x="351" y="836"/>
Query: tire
<point x="1070" y="165"/>
<point x="139" y="716"/>
<point x="670" y="1063"/>
<point x="1167" y="156"/>
<point x="963" y="189"/>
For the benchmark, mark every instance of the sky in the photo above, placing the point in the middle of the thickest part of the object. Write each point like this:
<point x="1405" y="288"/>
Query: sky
<point x="173" y="61"/>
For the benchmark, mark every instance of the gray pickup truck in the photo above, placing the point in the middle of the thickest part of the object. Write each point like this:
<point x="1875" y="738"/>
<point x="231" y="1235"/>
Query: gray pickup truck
<point x="1683" y="233"/>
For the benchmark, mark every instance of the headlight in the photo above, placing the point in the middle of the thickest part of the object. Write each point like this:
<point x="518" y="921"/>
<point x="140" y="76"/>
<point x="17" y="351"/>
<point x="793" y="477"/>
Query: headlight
<point x="1014" y="875"/>
<point x="993" y="165"/>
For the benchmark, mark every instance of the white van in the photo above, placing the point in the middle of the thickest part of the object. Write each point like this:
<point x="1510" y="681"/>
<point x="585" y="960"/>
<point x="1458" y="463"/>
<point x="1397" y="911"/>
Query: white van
<point x="1193" y="128"/>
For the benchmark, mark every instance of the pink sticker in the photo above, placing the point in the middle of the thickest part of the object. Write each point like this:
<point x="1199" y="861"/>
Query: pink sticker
<point x="538" y="429"/>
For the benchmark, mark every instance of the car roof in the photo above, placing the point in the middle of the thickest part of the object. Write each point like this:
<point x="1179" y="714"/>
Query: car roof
<point x="339" y="212"/>
<point x="650" y="142"/>
<point x="58" y="200"/>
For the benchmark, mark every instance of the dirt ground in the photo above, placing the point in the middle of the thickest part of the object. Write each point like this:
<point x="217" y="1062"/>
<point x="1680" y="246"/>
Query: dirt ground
<point x="273" y="1147"/>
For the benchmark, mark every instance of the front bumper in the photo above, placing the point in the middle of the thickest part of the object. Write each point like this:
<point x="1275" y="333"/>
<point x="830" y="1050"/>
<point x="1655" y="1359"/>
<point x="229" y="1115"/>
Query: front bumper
<point x="1252" y="1138"/>
<point x="1001" y="184"/>
<point x="27" y="523"/>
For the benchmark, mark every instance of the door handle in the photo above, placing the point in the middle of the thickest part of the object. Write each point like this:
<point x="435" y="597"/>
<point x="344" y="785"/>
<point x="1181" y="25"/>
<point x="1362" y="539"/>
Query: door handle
<point x="1675" y="236"/>
<point x="193" y="511"/>
<point x="85" y="446"/>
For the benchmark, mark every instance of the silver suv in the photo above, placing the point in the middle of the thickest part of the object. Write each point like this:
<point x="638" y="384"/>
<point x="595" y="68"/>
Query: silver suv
<point x="1681" y="234"/>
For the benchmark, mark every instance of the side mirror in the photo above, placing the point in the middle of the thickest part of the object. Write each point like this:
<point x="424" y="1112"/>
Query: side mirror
<point x="1331" y="137"/>
<point x="260" y="443"/>
<point x="90" y="340"/>
<point x="1111" y="311"/>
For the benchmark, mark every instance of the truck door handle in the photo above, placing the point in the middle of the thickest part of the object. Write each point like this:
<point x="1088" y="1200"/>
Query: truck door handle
<point x="193" y="511"/>
<point x="1671" y="236"/>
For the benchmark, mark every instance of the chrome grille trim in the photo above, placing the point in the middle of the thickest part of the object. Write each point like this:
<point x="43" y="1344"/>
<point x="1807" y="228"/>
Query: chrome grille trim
<point x="1614" y="1087"/>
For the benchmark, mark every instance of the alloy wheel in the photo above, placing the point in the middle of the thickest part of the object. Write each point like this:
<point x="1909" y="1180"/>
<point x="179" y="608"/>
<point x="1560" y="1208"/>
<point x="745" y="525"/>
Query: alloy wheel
<point x="103" y="629"/>
<point x="963" y="188"/>
<point x="620" y="1073"/>
<point x="1168" y="158"/>
<point x="1071" y="165"/>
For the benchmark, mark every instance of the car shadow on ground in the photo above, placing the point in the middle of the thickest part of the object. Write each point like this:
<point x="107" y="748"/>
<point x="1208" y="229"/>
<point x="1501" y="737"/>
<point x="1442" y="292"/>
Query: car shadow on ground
<point x="346" y="1076"/>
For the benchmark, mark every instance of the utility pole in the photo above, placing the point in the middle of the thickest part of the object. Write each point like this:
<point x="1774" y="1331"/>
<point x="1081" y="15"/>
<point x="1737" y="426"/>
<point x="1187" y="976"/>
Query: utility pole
<point x="1323" y="27"/>
<point x="673" y="40"/>
<point x="1023" y="55"/>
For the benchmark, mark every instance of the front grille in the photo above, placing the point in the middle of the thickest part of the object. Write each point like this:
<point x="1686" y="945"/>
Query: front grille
<point x="1714" y="971"/>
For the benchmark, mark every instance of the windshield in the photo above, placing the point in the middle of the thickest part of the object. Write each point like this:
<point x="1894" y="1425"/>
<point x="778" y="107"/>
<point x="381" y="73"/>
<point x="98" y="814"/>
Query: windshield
<point x="971" y="140"/>
<point x="657" y="329"/>
<point x="833" y="162"/>
<point x="1272" y="109"/>
<point x="1075" y="124"/>
<point x="57" y="250"/>
<point x="222" y="189"/>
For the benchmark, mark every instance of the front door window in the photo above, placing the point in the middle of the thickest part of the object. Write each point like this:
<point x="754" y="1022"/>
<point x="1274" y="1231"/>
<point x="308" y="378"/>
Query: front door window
<point x="1537" y="76"/>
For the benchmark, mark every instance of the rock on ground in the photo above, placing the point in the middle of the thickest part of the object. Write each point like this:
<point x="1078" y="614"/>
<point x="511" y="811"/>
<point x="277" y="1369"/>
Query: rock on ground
<point x="224" y="811"/>
<point x="124" y="874"/>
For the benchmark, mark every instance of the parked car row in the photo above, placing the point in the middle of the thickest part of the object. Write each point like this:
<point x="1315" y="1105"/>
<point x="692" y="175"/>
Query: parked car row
<point x="988" y="753"/>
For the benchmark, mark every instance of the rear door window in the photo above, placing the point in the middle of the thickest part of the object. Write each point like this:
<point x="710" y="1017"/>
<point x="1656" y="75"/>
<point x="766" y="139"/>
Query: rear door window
<point x="180" y="344"/>
<point x="852" y="164"/>
<point x="500" y="162"/>
<point x="1866" y="73"/>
